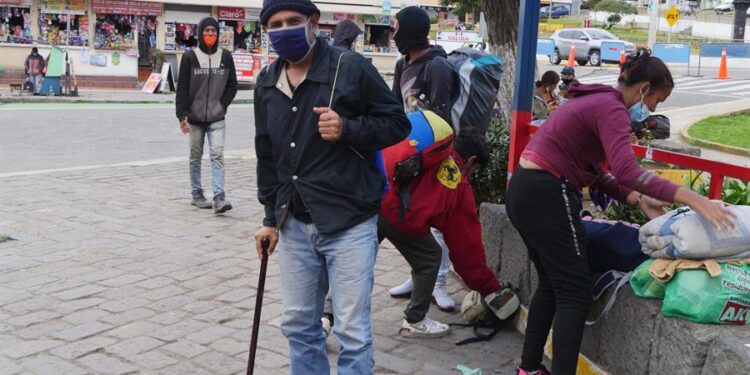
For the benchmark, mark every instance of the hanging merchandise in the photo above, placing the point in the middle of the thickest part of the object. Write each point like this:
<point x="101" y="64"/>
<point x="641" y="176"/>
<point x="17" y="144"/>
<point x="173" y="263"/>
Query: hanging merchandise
<point x="116" y="58"/>
<point x="15" y="25"/>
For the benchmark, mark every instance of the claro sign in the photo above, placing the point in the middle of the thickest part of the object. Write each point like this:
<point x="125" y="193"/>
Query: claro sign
<point x="237" y="14"/>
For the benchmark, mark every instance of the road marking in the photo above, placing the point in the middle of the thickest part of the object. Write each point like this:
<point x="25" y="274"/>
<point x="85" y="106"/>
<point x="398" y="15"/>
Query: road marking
<point x="247" y="154"/>
<point x="734" y="88"/>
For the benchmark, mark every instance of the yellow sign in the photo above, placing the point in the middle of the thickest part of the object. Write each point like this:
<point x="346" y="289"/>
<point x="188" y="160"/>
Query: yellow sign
<point x="673" y="15"/>
<point x="448" y="174"/>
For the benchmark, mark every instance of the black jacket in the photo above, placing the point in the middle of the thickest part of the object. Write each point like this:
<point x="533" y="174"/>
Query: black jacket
<point x="339" y="187"/>
<point x="431" y="75"/>
<point x="207" y="82"/>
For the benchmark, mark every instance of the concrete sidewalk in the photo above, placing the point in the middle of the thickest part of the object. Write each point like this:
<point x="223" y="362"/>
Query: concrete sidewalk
<point x="113" y="272"/>
<point x="107" y="96"/>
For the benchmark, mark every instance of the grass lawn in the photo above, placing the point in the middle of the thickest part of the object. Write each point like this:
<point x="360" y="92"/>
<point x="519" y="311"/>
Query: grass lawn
<point x="733" y="130"/>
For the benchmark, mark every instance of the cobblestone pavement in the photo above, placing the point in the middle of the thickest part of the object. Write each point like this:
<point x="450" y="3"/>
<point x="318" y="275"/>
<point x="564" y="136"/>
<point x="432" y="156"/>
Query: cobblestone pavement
<point x="113" y="272"/>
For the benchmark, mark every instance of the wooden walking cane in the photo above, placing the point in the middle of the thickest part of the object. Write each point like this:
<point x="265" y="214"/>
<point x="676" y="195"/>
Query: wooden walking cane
<point x="258" y="305"/>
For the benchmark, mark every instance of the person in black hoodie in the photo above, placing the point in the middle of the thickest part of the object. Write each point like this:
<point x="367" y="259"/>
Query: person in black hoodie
<point x="346" y="34"/>
<point x="424" y="79"/>
<point x="206" y="87"/>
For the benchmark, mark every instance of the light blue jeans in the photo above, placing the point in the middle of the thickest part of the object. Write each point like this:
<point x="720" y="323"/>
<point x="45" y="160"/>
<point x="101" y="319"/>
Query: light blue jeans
<point x="445" y="261"/>
<point x="308" y="260"/>
<point x="215" y="134"/>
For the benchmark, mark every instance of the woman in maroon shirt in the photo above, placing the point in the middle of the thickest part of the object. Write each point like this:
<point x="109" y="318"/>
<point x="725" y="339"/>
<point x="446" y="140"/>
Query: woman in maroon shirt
<point x="543" y="200"/>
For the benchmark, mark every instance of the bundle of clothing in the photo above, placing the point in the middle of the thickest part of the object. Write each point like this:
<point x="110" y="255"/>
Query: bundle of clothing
<point x="683" y="234"/>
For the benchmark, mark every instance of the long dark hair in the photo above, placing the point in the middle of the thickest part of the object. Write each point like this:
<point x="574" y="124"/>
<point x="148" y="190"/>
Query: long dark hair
<point x="646" y="68"/>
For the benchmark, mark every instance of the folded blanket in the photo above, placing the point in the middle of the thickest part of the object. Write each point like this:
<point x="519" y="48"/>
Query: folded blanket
<point x="683" y="234"/>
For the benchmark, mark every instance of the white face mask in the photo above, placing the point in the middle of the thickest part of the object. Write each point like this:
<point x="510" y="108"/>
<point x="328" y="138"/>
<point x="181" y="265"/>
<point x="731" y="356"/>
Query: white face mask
<point x="639" y="112"/>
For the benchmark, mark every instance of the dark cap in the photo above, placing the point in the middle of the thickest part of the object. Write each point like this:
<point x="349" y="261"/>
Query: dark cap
<point x="568" y="70"/>
<point x="271" y="7"/>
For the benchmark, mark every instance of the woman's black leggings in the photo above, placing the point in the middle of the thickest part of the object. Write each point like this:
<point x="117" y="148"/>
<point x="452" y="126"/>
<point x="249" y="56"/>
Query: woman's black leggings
<point x="546" y="212"/>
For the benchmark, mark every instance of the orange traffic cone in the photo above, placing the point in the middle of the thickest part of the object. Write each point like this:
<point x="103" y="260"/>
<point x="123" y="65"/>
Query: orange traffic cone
<point x="572" y="56"/>
<point x="723" y="65"/>
<point x="622" y="58"/>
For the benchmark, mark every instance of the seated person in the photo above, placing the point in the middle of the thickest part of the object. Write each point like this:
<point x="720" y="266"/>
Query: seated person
<point x="568" y="76"/>
<point x="545" y="100"/>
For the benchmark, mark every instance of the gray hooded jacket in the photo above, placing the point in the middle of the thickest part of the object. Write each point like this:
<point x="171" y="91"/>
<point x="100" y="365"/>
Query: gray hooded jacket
<point x="207" y="81"/>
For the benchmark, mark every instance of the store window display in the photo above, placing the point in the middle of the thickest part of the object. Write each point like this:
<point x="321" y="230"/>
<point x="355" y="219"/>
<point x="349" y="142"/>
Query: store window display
<point x="15" y="25"/>
<point x="180" y="36"/>
<point x="53" y="29"/>
<point x="378" y="38"/>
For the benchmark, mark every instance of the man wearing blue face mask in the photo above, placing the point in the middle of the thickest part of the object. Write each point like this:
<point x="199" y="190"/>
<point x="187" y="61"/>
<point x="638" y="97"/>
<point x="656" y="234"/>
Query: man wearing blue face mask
<point x="321" y="113"/>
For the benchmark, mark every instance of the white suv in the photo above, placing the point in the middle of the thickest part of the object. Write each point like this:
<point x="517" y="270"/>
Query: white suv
<point x="588" y="44"/>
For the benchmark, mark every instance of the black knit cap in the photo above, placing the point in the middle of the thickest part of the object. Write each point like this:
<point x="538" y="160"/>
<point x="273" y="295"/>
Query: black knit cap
<point x="270" y="7"/>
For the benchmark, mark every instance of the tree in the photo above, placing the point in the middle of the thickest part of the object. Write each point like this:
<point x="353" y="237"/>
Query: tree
<point x="502" y="29"/>
<point x="615" y="8"/>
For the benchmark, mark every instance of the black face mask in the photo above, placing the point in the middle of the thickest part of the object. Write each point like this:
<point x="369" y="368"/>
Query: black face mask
<point x="404" y="44"/>
<point x="567" y="81"/>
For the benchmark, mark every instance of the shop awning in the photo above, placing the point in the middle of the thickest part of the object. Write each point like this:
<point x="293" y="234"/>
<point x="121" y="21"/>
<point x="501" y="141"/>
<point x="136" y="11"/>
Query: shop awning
<point x="16" y="3"/>
<point x="129" y="7"/>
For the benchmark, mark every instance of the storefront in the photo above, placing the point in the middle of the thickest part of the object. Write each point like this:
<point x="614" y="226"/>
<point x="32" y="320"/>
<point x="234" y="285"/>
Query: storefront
<point x="15" y="22"/>
<point x="124" y="38"/>
<point x="181" y="25"/>
<point x="127" y="27"/>
<point x="240" y="29"/>
<point x="63" y="23"/>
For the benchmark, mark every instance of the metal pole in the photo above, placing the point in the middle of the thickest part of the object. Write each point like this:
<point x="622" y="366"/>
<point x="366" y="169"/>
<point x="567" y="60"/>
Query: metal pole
<point x="523" y="90"/>
<point x="653" y="25"/>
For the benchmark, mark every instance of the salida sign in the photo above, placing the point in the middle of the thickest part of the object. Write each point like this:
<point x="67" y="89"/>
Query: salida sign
<point x="734" y="312"/>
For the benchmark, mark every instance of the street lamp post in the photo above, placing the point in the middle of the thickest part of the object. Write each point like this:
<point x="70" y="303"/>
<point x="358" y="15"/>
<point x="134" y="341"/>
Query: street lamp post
<point x="740" y="13"/>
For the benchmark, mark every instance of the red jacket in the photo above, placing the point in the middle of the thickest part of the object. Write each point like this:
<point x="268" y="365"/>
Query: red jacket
<point x="441" y="197"/>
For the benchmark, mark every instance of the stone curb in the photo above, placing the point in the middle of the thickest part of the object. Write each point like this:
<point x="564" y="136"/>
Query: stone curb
<point x="714" y="145"/>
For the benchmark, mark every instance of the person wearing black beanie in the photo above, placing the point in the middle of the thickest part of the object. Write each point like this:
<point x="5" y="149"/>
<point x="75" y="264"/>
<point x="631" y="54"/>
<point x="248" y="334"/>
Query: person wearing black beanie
<point x="322" y="113"/>
<point x="424" y="80"/>
<point x="206" y="86"/>
<point x="270" y="7"/>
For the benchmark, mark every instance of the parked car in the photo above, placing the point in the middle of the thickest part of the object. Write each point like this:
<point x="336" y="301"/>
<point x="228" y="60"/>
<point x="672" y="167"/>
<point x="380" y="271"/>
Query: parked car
<point x="724" y="8"/>
<point x="557" y="11"/>
<point x="588" y="44"/>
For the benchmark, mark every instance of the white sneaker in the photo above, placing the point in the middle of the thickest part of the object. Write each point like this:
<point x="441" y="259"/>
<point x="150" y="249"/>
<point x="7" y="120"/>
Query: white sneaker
<point x="426" y="328"/>
<point x="327" y="326"/>
<point x="503" y="303"/>
<point x="442" y="299"/>
<point x="403" y="290"/>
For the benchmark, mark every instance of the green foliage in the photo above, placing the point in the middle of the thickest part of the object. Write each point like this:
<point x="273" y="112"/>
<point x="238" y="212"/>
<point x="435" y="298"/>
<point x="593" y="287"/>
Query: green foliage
<point x="594" y="3"/>
<point x="464" y="6"/>
<point x="733" y="192"/>
<point x="616" y="7"/>
<point x="612" y="20"/>
<point x="625" y="212"/>
<point x="490" y="181"/>
<point x="5" y="238"/>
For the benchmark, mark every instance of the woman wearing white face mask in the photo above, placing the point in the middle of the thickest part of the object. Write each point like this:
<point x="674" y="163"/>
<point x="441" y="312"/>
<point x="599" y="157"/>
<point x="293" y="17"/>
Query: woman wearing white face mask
<point x="543" y="200"/>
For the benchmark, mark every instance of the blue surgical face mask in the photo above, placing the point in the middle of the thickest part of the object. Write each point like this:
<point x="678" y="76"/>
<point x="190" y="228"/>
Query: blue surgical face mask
<point x="639" y="111"/>
<point x="292" y="43"/>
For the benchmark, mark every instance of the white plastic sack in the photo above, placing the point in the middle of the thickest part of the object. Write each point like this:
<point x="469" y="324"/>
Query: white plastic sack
<point x="683" y="234"/>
